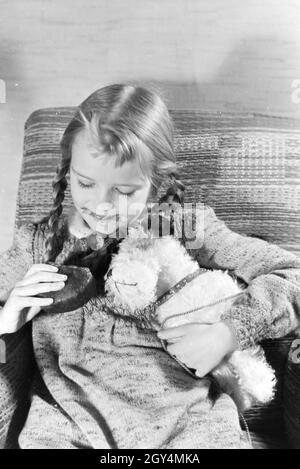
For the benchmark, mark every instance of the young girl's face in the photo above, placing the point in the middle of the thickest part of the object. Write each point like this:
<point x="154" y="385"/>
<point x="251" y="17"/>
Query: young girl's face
<point x="98" y="188"/>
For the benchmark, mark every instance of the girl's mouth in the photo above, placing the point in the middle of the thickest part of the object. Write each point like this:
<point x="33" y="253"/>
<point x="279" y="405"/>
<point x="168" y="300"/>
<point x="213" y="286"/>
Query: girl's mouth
<point x="103" y="219"/>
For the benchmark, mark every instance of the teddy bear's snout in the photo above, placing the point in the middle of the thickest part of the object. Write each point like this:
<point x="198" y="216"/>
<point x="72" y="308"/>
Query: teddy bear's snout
<point x="109" y="276"/>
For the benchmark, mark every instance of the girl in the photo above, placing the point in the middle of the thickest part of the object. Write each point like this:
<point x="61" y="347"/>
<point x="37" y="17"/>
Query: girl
<point x="103" y="379"/>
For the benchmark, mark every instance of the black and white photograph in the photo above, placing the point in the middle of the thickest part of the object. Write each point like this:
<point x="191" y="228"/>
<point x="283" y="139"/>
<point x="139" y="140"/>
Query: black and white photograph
<point x="150" y="227"/>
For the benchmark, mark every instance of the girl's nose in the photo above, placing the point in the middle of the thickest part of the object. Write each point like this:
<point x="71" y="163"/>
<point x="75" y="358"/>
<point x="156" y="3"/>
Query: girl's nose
<point x="104" y="208"/>
<point x="103" y="200"/>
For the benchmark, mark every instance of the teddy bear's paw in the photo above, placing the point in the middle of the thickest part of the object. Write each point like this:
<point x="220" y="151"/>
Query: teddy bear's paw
<point x="228" y="380"/>
<point x="243" y="400"/>
<point x="256" y="376"/>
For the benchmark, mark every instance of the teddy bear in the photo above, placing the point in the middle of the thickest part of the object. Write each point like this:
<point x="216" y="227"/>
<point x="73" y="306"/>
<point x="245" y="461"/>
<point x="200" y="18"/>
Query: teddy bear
<point x="157" y="280"/>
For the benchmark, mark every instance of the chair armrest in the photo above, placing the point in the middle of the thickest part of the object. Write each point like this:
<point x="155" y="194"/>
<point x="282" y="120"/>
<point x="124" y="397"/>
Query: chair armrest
<point x="15" y="378"/>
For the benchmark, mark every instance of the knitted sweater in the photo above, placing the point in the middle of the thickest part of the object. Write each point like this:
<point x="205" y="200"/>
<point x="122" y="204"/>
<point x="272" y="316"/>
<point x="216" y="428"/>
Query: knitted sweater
<point x="108" y="383"/>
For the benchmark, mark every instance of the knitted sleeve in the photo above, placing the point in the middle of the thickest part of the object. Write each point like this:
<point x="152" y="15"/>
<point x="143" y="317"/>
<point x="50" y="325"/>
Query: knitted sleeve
<point x="16" y="365"/>
<point x="15" y="261"/>
<point x="270" y="307"/>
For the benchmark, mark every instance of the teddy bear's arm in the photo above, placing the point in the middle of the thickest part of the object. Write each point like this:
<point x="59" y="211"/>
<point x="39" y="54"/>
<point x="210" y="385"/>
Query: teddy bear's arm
<point x="270" y="306"/>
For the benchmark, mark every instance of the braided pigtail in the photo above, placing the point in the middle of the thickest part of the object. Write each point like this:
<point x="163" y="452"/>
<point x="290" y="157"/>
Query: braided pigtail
<point x="53" y="242"/>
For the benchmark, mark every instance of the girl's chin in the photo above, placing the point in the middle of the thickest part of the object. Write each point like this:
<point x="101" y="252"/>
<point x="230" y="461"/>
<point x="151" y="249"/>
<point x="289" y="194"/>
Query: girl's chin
<point x="104" y="228"/>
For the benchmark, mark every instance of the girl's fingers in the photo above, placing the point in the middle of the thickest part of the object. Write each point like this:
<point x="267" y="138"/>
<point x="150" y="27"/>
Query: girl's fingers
<point x="172" y="349"/>
<point x="173" y="332"/>
<point x="41" y="267"/>
<point x="180" y="331"/>
<point x="35" y="288"/>
<point x="173" y="340"/>
<point x="40" y="276"/>
<point x="25" y="301"/>
<point x="32" y="312"/>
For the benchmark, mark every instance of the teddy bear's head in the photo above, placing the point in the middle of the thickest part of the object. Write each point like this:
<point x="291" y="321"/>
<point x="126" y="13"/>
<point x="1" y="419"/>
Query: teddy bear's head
<point x="132" y="277"/>
<point x="145" y="267"/>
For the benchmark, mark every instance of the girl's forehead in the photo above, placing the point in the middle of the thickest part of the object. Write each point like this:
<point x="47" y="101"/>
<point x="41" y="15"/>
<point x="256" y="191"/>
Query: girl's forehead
<point x="94" y="165"/>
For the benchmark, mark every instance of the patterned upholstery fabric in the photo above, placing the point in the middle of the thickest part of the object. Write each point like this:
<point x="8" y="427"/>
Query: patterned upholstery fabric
<point x="246" y="166"/>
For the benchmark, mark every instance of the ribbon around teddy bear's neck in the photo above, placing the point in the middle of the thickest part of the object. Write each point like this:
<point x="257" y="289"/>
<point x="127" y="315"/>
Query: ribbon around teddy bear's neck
<point x="181" y="284"/>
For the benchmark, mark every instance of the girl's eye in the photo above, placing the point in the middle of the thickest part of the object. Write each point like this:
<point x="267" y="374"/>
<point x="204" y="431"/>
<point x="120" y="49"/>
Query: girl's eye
<point x="85" y="186"/>
<point x="89" y="186"/>
<point x="129" y="194"/>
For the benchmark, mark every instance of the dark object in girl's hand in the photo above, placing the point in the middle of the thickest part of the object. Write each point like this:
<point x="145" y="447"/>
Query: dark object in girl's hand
<point x="80" y="286"/>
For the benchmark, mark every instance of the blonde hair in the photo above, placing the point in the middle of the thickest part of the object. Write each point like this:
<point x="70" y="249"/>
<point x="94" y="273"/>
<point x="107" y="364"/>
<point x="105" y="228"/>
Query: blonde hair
<point x="128" y="122"/>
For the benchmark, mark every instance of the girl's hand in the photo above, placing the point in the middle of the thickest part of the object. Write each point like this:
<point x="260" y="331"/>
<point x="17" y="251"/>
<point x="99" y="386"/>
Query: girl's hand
<point x="200" y="346"/>
<point x="21" y="305"/>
